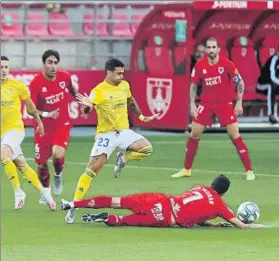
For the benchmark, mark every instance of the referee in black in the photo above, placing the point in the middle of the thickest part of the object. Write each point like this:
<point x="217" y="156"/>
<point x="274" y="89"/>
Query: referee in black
<point x="268" y="84"/>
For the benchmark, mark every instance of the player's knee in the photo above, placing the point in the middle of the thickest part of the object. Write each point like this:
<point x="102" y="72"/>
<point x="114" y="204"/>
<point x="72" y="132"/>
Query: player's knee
<point x="21" y="164"/>
<point x="58" y="154"/>
<point x="6" y="153"/>
<point x="146" y="151"/>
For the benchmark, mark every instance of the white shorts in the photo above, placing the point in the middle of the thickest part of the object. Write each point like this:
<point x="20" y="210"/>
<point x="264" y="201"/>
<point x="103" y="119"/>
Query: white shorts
<point x="106" y="143"/>
<point x="13" y="139"/>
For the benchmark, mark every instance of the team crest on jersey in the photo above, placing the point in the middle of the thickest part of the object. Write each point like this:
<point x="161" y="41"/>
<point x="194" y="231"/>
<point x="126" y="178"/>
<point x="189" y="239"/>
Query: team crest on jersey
<point x="221" y="70"/>
<point x="159" y="95"/>
<point x="44" y="89"/>
<point x="62" y="85"/>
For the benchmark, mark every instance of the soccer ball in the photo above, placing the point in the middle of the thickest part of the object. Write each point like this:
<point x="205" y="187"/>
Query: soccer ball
<point x="248" y="212"/>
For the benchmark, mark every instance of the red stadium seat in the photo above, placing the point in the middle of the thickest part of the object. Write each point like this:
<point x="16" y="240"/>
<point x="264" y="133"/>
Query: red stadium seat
<point x="59" y="25"/>
<point x="136" y="20"/>
<point x="157" y="57"/>
<point x="10" y="25"/>
<point x="36" y="25"/>
<point x="39" y="6"/>
<point x="121" y="25"/>
<point x="268" y="48"/>
<point x="71" y="5"/>
<point x="89" y="24"/>
<point x="244" y="57"/>
<point x="140" y="6"/>
<point x="10" y="5"/>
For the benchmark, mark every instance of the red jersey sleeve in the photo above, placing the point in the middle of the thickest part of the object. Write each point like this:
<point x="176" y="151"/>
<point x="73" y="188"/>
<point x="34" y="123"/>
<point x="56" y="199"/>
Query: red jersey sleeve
<point x="225" y="212"/>
<point x="233" y="72"/>
<point x="34" y="90"/>
<point x="196" y="74"/>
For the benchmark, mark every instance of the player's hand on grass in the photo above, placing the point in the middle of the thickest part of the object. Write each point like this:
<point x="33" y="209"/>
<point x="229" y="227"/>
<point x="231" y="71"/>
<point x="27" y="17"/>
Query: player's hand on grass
<point x="40" y="129"/>
<point x="150" y="118"/>
<point x="194" y="110"/>
<point x="238" y="109"/>
<point x="54" y="114"/>
<point x="84" y="100"/>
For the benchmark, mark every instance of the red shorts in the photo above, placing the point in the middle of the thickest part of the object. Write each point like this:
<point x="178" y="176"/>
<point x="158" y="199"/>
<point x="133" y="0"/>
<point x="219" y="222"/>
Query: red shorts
<point x="43" y="145"/>
<point x="224" y="113"/>
<point x="155" y="205"/>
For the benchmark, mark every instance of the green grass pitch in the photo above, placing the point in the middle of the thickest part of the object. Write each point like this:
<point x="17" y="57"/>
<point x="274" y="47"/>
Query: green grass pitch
<point x="36" y="234"/>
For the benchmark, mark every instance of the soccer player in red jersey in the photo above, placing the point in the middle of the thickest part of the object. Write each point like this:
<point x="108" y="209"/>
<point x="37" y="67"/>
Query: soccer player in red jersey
<point x="194" y="207"/>
<point x="49" y="93"/>
<point x="217" y="75"/>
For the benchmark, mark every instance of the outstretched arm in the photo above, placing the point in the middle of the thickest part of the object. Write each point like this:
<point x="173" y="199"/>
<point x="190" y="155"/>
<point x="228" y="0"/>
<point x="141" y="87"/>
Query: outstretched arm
<point x="135" y="108"/>
<point x="239" y="224"/>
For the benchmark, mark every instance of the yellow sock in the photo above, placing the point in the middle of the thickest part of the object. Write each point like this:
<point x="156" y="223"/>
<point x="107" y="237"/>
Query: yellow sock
<point x="11" y="172"/>
<point x="84" y="183"/>
<point x="138" y="155"/>
<point x="31" y="176"/>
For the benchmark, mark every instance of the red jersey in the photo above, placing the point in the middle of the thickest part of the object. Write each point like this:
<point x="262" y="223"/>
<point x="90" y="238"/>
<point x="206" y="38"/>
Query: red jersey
<point x="51" y="95"/>
<point x="216" y="80"/>
<point x="199" y="205"/>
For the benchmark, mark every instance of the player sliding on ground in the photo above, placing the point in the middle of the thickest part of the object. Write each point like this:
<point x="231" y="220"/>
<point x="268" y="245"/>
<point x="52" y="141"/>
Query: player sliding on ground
<point x="218" y="76"/>
<point x="111" y="99"/>
<point x="194" y="207"/>
<point x="12" y="135"/>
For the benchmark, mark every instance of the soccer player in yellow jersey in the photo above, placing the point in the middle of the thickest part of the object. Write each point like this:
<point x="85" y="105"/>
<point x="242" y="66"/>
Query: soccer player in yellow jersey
<point x="12" y="135"/>
<point x="111" y="99"/>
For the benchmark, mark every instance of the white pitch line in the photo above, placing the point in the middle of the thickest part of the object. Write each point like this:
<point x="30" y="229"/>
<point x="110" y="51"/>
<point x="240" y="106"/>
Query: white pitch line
<point x="171" y="169"/>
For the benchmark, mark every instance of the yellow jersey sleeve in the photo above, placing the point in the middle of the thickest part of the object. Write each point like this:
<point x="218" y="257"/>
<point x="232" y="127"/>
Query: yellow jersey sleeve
<point x="129" y="94"/>
<point x="24" y="92"/>
<point x="96" y="96"/>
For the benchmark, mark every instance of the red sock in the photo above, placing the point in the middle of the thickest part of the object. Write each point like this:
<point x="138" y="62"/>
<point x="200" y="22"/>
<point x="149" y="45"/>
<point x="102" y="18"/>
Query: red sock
<point x="96" y="202"/>
<point x="43" y="173"/>
<point x="191" y="151"/>
<point x="242" y="152"/>
<point x="133" y="220"/>
<point x="58" y="165"/>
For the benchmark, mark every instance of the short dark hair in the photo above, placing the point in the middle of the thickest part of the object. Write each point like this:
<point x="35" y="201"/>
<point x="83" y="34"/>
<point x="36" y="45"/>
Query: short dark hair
<point x="111" y="64"/>
<point x="212" y="39"/>
<point x="221" y="184"/>
<point x="4" y="58"/>
<point x="50" y="52"/>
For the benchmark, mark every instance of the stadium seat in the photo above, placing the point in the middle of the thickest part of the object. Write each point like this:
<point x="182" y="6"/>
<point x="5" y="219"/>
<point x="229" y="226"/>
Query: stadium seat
<point x="71" y="5"/>
<point x="136" y="20"/>
<point x="268" y="48"/>
<point x="139" y="6"/>
<point x="37" y="6"/>
<point x="36" y="25"/>
<point x="157" y="57"/>
<point x="243" y="55"/>
<point x="121" y="25"/>
<point x="89" y="24"/>
<point x="59" y="25"/>
<point x="10" y="5"/>
<point x="10" y="25"/>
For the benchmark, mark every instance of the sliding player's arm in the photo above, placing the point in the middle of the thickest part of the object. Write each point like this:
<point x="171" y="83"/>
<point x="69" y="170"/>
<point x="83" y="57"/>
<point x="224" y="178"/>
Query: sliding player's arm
<point x="227" y="214"/>
<point x="239" y="224"/>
